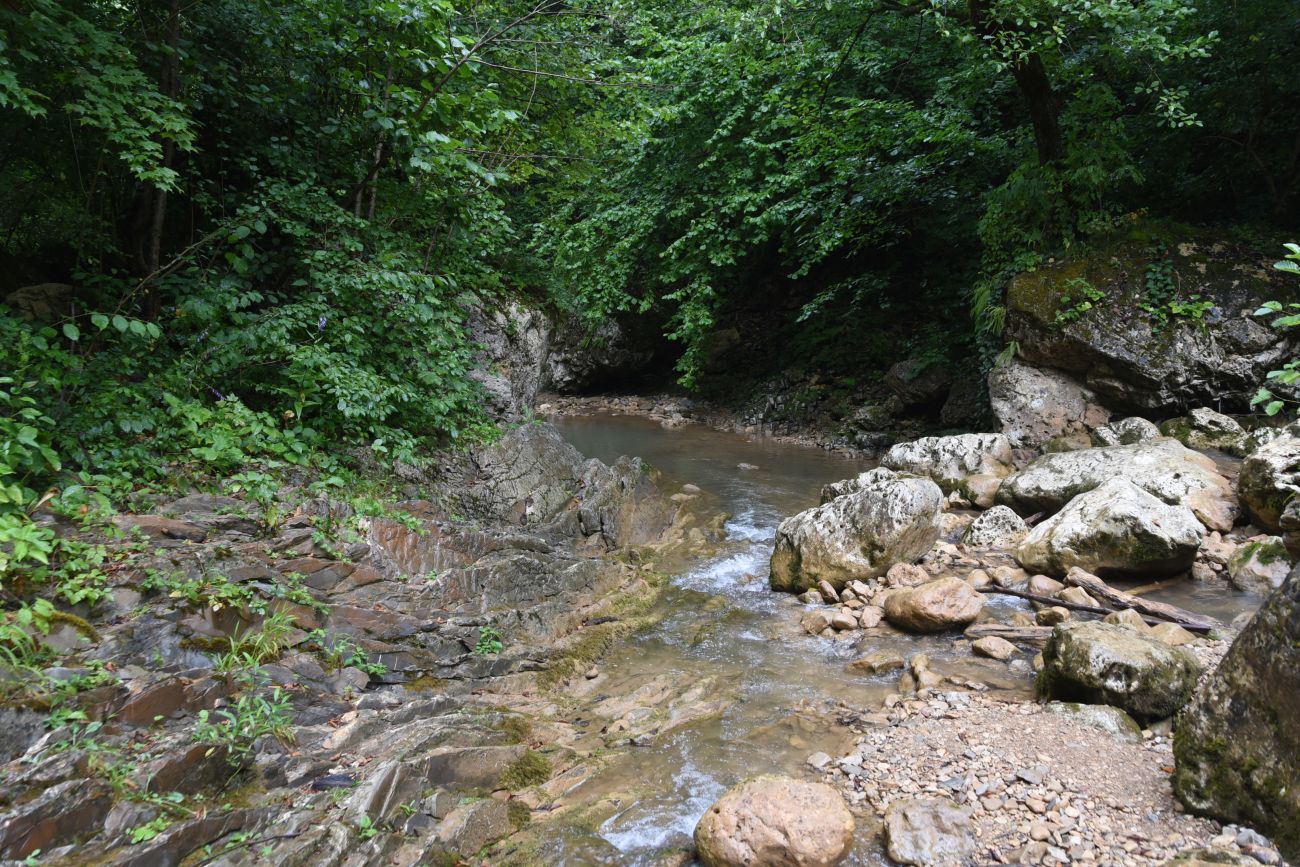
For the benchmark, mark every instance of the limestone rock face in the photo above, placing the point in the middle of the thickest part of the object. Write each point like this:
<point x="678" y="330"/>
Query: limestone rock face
<point x="999" y="527"/>
<point x="1270" y="479"/>
<point x="1125" y="432"/>
<point x="1102" y="663"/>
<point x="514" y="341"/>
<point x="1131" y="362"/>
<point x="884" y="520"/>
<point x="1260" y="565"/>
<point x="1203" y="428"/>
<point x="1115" y="528"/>
<point x="1163" y="468"/>
<point x="919" y="384"/>
<point x="934" y="606"/>
<point x="1237" y="744"/>
<point x="950" y="461"/>
<point x="773" y="821"/>
<point x="928" y="831"/>
<point x="582" y="360"/>
<point x="1034" y="405"/>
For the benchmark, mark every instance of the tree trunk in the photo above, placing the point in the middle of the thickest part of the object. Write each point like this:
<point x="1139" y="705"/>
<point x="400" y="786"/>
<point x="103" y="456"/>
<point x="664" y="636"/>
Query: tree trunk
<point x="1034" y="85"/>
<point x="1044" y="107"/>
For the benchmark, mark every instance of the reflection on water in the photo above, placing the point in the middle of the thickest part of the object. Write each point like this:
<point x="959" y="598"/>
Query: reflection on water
<point x="725" y="633"/>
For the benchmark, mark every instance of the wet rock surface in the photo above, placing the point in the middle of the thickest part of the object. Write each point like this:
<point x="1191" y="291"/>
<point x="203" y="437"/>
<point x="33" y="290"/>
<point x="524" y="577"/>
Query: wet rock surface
<point x="862" y="528"/>
<point x="773" y="821"/>
<point x="1237" y="742"/>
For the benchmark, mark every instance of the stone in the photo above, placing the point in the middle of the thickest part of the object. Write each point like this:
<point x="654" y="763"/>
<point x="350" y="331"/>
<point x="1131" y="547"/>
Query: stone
<point x="41" y="301"/>
<point x="1163" y="468"/>
<point x="470" y="827"/>
<point x="1115" y="528"/>
<point x="583" y="358"/>
<point x="1237" y="745"/>
<point x="1033" y="405"/>
<point x="1129" y="619"/>
<point x="842" y="621"/>
<point x="1102" y="663"/>
<point x="1133" y="362"/>
<point x="886" y="520"/>
<point x="906" y="575"/>
<point x="828" y="593"/>
<point x="1171" y="634"/>
<point x="935" y="606"/>
<point x="812" y="597"/>
<point x="994" y="648"/>
<point x="921" y="384"/>
<point x="1099" y="716"/>
<point x="870" y="617"/>
<point x="1041" y="585"/>
<point x="1259" y="566"/>
<point x="1125" y="432"/>
<point x="1203" y="428"/>
<point x="774" y="821"/>
<point x="925" y="831"/>
<point x="1051" y="616"/>
<point x="63" y="813"/>
<point x="1269" y="480"/>
<point x="816" y="622"/>
<point x="877" y="662"/>
<point x="1076" y="596"/>
<point x="999" y="527"/>
<point x="951" y="460"/>
<point x="512" y="341"/>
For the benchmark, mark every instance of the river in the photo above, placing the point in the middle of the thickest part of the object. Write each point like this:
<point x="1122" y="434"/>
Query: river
<point x="778" y="690"/>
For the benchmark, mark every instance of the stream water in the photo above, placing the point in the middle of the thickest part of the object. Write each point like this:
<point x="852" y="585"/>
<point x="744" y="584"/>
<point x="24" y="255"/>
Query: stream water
<point x="776" y="688"/>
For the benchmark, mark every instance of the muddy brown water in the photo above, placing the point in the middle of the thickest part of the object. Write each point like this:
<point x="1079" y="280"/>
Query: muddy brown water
<point x="776" y="693"/>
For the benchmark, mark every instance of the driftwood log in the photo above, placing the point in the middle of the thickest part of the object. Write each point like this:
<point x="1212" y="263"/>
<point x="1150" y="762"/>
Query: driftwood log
<point x="1148" y="610"/>
<point x="1103" y="592"/>
<point x="1035" y="635"/>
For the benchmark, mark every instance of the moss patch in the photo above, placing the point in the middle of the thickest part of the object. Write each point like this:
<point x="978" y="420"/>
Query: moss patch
<point x="531" y="769"/>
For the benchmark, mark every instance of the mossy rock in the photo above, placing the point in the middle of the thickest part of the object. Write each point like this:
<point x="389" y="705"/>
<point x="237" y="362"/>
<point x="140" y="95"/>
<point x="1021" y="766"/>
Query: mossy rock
<point x="1237" y="744"/>
<point x="1164" y="361"/>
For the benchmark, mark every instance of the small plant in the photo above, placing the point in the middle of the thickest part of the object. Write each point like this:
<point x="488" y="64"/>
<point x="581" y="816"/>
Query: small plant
<point x="366" y="829"/>
<point x="1284" y="316"/>
<point x="146" y="832"/>
<point x="1080" y="297"/>
<point x="252" y="716"/>
<point x="342" y="651"/>
<point x="489" y="642"/>
<point x="250" y="649"/>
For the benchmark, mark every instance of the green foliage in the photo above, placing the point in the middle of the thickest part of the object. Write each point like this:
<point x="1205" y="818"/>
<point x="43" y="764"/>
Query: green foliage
<point x="1283" y="316"/>
<point x="489" y="642"/>
<point x="1079" y="297"/>
<point x="254" y="714"/>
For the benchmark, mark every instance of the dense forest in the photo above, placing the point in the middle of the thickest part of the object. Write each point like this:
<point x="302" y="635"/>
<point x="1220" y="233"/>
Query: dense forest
<point x="282" y="281"/>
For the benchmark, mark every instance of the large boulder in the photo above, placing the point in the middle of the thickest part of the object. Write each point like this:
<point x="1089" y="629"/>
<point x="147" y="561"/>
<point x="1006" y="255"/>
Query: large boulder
<point x="1260" y="565"/>
<point x="1167" y="361"/>
<point x="1125" y="432"/>
<point x="1237" y="744"/>
<point x="1203" y="428"/>
<point x="877" y="522"/>
<point x="1115" y="528"/>
<point x="999" y="527"/>
<point x="1105" y="663"/>
<point x="928" y="831"/>
<point x="1034" y="405"/>
<point x="1270" y="479"/>
<point x="773" y="821"/>
<point x="952" y="461"/>
<point x="920" y="384"/>
<point x="1163" y="468"/>
<point x="934" y="606"/>
<point x="512" y="341"/>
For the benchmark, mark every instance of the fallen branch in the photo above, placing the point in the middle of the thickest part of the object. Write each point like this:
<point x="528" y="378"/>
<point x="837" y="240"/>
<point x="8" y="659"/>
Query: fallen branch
<point x="1092" y="609"/>
<point x="1035" y="635"/>
<point x="1100" y="590"/>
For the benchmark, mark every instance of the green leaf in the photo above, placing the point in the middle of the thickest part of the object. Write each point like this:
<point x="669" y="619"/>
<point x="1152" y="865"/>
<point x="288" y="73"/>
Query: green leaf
<point x="99" y="320"/>
<point x="120" y="323"/>
<point x="71" y="331"/>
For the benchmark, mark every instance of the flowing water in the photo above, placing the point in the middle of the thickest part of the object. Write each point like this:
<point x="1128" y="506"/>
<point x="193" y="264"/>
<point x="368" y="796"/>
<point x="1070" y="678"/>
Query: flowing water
<point x="774" y="690"/>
